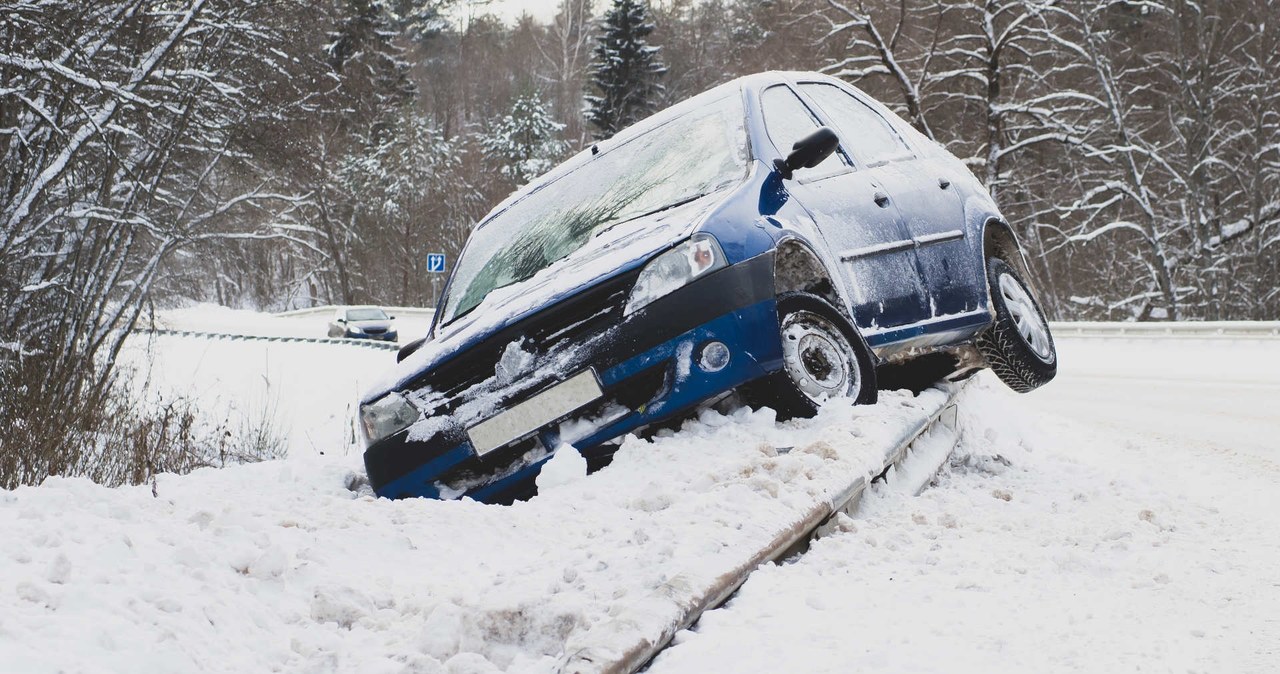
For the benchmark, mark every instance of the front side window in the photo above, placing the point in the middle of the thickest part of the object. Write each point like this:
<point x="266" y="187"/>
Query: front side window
<point x="872" y="140"/>
<point x="788" y="120"/>
<point x="697" y="153"/>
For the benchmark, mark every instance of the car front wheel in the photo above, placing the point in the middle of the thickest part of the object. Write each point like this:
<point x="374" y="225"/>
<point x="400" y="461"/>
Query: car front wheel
<point x="823" y="357"/>
<point x="1018" y="346"/>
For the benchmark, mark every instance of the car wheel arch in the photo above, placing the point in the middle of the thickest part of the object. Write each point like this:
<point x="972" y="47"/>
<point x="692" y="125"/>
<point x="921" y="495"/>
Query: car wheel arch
<point x="798" y="268"/>
<point x="999" y="240"/>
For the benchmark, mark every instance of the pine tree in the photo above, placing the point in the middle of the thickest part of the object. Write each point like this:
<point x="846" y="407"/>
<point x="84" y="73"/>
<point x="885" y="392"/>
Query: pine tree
<point x="625" y="70"/>
<point x="372" y="66"/>
<point x="525" y="142"/>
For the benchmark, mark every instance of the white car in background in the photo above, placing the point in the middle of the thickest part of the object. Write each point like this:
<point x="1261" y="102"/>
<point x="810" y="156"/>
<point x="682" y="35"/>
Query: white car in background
<point x="363" y="323"/>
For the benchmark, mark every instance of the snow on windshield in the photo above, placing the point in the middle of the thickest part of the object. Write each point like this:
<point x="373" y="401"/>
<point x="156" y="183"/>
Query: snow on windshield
<point x="366" y="315"/>
<point x="692" y="155"/>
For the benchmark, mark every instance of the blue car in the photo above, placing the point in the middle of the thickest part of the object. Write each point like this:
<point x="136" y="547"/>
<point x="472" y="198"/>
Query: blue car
<point x="783" y="236"/>
<point x="363" y="323"/>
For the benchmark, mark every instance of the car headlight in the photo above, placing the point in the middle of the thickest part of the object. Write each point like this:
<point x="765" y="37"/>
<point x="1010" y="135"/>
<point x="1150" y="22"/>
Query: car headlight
<point x="387" y="415"/>
<point x="355" y="329"/>
<point x="674" y="269"/>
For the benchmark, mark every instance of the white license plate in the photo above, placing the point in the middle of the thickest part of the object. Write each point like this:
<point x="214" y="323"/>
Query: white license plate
<point x="534" y="413"/>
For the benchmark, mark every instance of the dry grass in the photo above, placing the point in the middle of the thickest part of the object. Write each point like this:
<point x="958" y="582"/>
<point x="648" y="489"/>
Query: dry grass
<point x="110" y="436"/>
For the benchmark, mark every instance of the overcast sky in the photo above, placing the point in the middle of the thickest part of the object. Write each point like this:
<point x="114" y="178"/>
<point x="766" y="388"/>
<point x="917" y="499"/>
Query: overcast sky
<point x="543" y="10"/>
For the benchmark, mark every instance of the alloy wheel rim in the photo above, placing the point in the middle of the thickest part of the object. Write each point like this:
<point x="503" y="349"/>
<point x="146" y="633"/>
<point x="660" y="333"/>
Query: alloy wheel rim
<point x="1026" y="316"/>
<point x="818" y="358"/>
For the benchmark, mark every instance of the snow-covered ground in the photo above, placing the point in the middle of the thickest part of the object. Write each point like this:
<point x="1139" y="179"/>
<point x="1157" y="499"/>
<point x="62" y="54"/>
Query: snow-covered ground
<point x="1126" y="518"/>
<point x="1117" y="530"/>
<point x="292" y="566"/>
<point x="305" y="391"/>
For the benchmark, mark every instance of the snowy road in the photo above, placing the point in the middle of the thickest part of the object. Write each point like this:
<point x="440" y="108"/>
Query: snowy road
<point x="1136" y="526"/>
<point x="1222" y="396"/>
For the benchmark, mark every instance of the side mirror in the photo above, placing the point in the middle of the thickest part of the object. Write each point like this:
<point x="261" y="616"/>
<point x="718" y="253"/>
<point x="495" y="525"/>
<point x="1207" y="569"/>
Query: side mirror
<point x="808" y="152"/>
<point x="408" y="349"/>
<point x="391" y="318"/>
<point x="342" y="320"/>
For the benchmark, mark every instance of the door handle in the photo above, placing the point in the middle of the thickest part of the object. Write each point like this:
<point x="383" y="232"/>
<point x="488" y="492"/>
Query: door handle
<point x="944" y="183"/>
<point x="882" y="200"/>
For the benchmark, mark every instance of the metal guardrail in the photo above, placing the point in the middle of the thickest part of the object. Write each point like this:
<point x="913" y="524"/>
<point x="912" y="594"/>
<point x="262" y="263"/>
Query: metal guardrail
<point x="367" y="343"/>
<point x="1190" y="329"/>
<point x="330" y="308"/>
<point x="632" y="637"/>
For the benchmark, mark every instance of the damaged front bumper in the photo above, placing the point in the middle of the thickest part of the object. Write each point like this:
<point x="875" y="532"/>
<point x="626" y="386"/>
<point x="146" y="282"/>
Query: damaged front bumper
<point x="659" y="362"/>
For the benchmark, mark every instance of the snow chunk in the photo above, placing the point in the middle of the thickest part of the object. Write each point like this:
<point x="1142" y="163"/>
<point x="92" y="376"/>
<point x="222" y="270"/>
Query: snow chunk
<point x="566" y="466"/>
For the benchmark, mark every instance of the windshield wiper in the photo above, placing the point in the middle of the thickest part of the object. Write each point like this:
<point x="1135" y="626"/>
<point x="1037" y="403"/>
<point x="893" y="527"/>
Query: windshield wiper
<point x="601" y="230"/>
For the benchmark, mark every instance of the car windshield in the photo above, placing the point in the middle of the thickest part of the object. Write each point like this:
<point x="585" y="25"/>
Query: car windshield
<point x="366" y="315"/>
<point x="694" y="154"/>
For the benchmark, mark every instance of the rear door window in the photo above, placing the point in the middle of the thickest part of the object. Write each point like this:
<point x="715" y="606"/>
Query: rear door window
<point x="870" y="137"/>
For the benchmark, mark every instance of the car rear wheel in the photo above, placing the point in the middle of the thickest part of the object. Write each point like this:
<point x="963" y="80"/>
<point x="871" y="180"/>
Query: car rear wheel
<point x="823" y="357"/>
<point x="1018" y="347"/>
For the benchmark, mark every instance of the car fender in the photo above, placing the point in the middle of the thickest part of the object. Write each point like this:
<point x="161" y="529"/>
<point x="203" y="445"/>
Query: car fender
<point x="762" y="216"/>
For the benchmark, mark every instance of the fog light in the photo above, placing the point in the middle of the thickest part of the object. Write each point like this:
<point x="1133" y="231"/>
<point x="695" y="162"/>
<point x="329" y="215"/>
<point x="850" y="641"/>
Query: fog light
<point x="714" y="357"/>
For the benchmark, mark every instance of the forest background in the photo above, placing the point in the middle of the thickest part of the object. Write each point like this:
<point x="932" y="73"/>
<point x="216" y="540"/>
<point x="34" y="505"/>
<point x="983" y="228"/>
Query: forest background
<point x="274" y="154"/>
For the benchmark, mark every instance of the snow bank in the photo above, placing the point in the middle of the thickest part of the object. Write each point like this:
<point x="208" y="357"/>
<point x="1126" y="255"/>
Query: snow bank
<point x="282" y="567"/>
<point x="215" y="318"/>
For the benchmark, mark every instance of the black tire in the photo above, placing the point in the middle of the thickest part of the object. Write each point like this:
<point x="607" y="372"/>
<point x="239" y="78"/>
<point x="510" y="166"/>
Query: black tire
<point x="780" y="390"/>
<point x="1023" y="363"/>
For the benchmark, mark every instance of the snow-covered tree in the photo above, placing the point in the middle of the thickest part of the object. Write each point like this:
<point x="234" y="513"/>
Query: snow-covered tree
<point x="525" y="142"/>
<point x="373" y="67"/>
<point x="873" y="50"/>
<point x="625" y="69"/>
<point x="407" y="200"/>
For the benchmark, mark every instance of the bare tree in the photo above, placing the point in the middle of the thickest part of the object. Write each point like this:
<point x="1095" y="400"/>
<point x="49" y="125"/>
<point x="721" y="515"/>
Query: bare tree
<point x="873" y="50"/>
<point x="566" y="51"/>
<point x="118" y="145"/>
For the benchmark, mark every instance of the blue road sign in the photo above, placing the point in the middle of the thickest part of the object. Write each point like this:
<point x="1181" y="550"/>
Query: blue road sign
<point x="435" y="263"/>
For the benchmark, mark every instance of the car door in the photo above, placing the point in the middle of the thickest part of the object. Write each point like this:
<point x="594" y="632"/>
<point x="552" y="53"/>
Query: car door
<point x="856" y="218"/>
<point x="932" y="210"/>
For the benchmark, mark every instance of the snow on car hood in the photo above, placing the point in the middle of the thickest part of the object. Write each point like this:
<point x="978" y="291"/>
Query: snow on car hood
<point x="613" y="251"/>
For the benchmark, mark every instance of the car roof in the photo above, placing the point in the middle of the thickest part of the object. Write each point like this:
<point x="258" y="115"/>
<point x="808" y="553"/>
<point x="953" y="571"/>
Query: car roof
<point x="755" y="81"/>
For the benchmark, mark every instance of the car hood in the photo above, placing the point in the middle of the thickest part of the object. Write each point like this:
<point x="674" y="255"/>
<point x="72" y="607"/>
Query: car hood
<point x="383" y="324"/>
<point x="614" y="251"/>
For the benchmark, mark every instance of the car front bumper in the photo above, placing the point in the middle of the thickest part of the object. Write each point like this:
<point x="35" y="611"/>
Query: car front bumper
<point x="384" y="337"/>
<point x="648" y="371"/>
